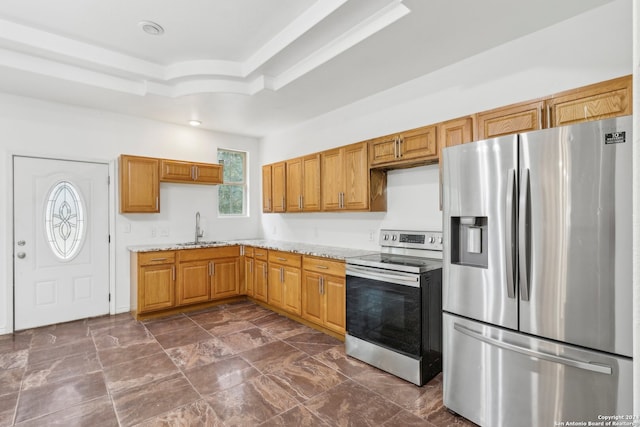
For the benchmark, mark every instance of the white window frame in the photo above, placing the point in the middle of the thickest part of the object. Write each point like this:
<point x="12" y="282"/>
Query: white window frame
<point x="244" y="185"/>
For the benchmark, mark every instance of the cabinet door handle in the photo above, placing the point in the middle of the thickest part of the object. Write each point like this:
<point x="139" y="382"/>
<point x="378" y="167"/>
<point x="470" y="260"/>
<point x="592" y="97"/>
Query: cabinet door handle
<point x="250" y="266"/>
<point x="395" y="147"/>
<point x="264" y="270"/>
<point x="549" y="124"/>
<point x="322" y="285"/>
<point x="197" y="172"/>
<point x="281" y="275"/>
<point x="192" y="173"/>
<point x="213" y="268"/>
<point x="400" y="141"/>
<point x="540" y="118"/>
<point x="173" y="273"/>
<point x="157" y="202"/>
<point x="300" y="201"/>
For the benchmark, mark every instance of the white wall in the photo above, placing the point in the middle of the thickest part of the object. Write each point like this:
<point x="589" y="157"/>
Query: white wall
<point x="573" y="53"/>
<point x="32" y="127"/>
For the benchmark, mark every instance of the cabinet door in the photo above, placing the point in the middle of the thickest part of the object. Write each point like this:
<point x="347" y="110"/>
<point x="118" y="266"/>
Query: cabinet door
<point x="311" y="298"/>
<point x="294" y="185"/>
<point x="193" y="282"/>
<point x="334" y="303"/>
<point x="176" y="171"/>
<point x="455" y="132"/>
<point x="279" y="186"/>
<point x="603" y="100"/>
<point x="249" y="275"/>
<point x="260" y="275"/>
<point x="332" y="171"/>
<point x="267" y="201"/>
<point x="355" y="185"/>
<point x="311" y="183"/>
<point x="383" y="150"/>
<point x="208" y="173"/>
<point x="292" y="289"/>
<point x="276" y="285"/>
<point x="139" y="184"/>
<point x="225" y="273"/>
<point x="515" y="118"/>
<point x="419" y="144"/>
<point x="156" y="287"/>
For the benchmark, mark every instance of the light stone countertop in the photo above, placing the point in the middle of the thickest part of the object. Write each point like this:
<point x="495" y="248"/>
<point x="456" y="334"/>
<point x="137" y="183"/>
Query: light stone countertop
<point x="332" y="252"/>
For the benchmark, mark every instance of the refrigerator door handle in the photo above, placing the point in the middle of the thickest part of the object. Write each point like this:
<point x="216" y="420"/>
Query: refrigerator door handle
<point x="589" y="366"/>
<point x="509" y="235"/>
<point x="524" y="235"/>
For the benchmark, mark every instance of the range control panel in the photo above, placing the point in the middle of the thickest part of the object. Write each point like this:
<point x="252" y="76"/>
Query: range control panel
<point x="428" y="240"/>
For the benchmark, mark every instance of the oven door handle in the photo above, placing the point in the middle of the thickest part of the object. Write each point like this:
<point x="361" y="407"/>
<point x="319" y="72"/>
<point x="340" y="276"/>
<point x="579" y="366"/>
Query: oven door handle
<point x="412" y="280"/>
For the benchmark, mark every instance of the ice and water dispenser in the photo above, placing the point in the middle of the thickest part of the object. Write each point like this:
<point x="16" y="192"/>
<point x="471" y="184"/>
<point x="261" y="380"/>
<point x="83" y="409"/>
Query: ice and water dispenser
<point x="469" y="241"/>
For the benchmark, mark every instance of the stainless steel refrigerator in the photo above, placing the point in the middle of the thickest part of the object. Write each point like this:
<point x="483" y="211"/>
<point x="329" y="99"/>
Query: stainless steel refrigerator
<point x="537" y="276"/>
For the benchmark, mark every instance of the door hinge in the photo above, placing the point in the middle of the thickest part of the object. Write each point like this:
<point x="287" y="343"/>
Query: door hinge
<point x="108" y="179"/>
<point x="109" y="297"/>
<point x="109" y="238"/>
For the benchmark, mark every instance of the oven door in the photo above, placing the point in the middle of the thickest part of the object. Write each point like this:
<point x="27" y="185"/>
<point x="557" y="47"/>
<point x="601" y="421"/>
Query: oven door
<point x="384" y="308"/>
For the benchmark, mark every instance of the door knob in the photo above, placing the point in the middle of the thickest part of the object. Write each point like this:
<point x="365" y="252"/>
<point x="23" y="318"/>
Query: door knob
<point x="21" y="255"/>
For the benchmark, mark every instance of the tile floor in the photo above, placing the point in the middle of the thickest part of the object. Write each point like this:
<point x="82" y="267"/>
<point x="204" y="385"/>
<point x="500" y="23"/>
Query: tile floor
<point x="233" y="365"/>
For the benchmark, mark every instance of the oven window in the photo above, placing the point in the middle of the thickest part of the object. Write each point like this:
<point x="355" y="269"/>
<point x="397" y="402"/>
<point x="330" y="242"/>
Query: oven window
<point x="386" y="314"/>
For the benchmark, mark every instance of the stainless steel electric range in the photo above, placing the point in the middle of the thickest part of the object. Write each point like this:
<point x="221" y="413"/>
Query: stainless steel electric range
<point x="394" y="305"/>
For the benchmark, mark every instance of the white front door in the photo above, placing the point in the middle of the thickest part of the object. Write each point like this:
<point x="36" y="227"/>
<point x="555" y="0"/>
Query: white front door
<point x="61" y="240"/>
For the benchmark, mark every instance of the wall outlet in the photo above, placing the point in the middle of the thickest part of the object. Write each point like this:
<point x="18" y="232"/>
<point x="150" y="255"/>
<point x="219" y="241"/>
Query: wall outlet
<point x="372" y="235"/>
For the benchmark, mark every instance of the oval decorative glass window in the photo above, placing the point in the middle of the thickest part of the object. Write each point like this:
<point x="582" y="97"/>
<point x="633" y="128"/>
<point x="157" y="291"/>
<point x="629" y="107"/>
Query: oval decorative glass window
<point x="64" y="220"/>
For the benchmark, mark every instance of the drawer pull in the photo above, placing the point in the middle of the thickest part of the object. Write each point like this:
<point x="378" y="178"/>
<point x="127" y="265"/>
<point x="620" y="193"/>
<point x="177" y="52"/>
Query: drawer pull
<point x="324" y="267"/>
<point x="158" y="259"/>
<point x="282" y="259"/>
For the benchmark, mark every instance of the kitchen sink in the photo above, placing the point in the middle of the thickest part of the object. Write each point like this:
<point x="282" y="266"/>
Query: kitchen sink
<point x="201" y="243"/>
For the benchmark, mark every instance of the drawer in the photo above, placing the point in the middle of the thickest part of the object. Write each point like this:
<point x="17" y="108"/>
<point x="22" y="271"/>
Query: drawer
<point x="248" y="251"/>
<point x="208" y="253"/>
<point x="156" y="257"/>
<point x="324" y="266"/>
<point x="260" y="253"/>
<point x="285" y="258"/>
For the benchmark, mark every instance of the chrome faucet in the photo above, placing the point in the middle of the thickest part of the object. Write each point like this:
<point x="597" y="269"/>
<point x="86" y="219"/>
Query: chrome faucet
<point x="199" y="232"/>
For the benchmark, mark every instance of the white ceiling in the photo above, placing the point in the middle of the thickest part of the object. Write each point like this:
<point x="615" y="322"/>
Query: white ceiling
<point x="247" y="66"/>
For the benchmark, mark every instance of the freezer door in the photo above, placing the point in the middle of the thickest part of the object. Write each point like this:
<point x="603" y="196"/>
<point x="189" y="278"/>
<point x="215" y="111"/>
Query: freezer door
<point x="575" y="234"/>
<point x="479" y="257"/>
<point x="495" y="377"/>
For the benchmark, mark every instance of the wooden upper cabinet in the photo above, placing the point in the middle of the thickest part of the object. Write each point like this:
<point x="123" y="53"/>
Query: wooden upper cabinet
<point x="455" y="132"/>
<point x="345" y="178"/>
<point x="267" y="196"/>
<point x="190" y="172"/>
<point x="332" y="170"/>
<point x="603" y="100"/>
<point x="139" y="184"/>
<point x="409" y="148"/>
<point x="303" y="184"/>
<point x="522" y="117"/>
<point x="279" y="186"/>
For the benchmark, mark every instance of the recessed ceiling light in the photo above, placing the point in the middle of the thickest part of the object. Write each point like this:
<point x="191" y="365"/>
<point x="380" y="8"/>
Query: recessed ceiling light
<point x="152" y="28"/>
<point x="195" y="122"/>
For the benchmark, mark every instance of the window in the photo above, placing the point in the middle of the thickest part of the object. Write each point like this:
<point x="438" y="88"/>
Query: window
<point x="232" y="195"/>
<point x="64" y="220"/>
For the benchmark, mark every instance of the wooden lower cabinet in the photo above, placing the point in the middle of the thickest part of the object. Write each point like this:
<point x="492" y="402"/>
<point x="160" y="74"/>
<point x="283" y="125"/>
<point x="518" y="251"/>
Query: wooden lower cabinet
<point x="165" y="280"/>
<point x="225" y="275"/>
<point x="260" y="278"/>
<point x="324" y="293"/>
<point x="193" y="282"/>
<point x="285" y="281"/>
<point x="153" y="281"/>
